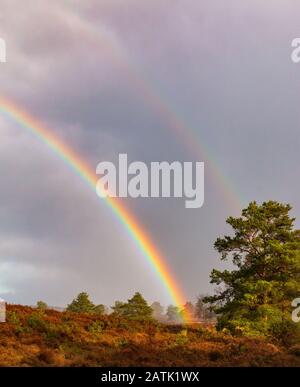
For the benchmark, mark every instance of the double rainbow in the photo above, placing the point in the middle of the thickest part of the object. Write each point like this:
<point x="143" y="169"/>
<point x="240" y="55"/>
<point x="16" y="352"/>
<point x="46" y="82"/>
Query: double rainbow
<point x="131" y="224"/>
<point x="103" y="39"/>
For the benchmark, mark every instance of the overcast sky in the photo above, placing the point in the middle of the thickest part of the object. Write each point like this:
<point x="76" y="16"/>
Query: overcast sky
<point x="112" y="76"/>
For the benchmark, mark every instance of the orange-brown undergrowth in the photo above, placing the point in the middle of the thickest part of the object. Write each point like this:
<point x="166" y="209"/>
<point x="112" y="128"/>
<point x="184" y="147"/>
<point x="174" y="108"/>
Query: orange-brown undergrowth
<point x="35" y="338"/>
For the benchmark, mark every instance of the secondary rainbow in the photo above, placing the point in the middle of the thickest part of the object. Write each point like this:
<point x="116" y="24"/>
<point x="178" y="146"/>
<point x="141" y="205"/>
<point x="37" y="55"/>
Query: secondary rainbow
<point x="105" y="40"/>
<point x="133" y="227"/>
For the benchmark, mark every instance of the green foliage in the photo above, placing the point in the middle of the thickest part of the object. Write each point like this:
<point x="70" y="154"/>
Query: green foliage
<point x="36" y="322"/>
<point x="118" y="308"/>
<point x="81" y="304"/>
<point x="255" y="298"/>
<point x="135" y="309"/>
<point x="41" y="305"/>
<point x="13" y="318"/>
<point x="96" y="327"/>
<point x="99" y="310"/>
<point x="182" y="338"/>
<point x="122" y="343"/>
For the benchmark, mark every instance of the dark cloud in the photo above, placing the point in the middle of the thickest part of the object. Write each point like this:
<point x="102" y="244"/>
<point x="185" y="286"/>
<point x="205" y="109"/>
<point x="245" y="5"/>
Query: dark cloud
<point x="100" y="74"/>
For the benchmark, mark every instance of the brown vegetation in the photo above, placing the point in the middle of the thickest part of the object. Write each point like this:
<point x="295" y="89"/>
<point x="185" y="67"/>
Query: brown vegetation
<point x="33" y="337"/>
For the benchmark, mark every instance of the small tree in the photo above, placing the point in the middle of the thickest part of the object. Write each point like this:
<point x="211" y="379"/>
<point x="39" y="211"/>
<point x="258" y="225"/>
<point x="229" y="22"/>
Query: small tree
<point x="118" y="308"/>
<point x="135" y="309"/>
<point x="81" y="304"/>
<point x="255" y="298"/>
<point x="41" y="305"/>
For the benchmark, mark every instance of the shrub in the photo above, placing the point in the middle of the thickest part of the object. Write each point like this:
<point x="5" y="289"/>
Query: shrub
<point x="96" y="327"/>
<point x="182" y="338"/>
<point x="35" y="321"/>
<point x="13" y="318"/>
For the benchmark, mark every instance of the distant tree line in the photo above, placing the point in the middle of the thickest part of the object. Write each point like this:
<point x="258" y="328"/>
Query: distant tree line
<point x="137" y="308"/>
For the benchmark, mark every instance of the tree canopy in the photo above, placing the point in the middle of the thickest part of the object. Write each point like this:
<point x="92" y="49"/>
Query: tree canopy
<point x="255" y="298"/>
<point x="136" y="308"/>
<point x="83" y="304"/>
<point x="41" y="305"/>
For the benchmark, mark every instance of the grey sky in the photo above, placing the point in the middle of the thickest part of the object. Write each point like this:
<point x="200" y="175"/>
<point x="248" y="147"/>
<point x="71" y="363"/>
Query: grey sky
<point x="223" y="67"/>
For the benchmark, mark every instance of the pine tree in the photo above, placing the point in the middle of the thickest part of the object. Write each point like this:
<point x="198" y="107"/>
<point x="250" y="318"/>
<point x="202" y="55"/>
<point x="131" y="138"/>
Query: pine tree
<point x="81" y="304"/>
<point x="135" y="309"/>
<point x="41" y="305"/>
<point x="118" y="308"/>
<point x="256" y="297"/>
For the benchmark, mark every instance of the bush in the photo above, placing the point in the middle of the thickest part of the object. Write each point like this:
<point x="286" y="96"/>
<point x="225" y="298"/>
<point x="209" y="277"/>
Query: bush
<point x="13" y="318"/>
<point x="96" y="327"/>
<point x="286" y="332"/>
<point x="35" y="321"/>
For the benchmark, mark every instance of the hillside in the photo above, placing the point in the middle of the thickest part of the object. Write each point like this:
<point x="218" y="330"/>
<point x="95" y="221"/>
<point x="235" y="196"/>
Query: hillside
<point x="51" y="338"/>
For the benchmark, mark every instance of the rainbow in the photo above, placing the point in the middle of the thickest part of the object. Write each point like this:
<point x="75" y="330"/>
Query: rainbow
<point x="184" y="132"/>
<point x="75" y="162"/>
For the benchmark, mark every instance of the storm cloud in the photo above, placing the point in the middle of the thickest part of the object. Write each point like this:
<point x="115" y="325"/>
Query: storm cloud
<point x="115" y="76"/>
